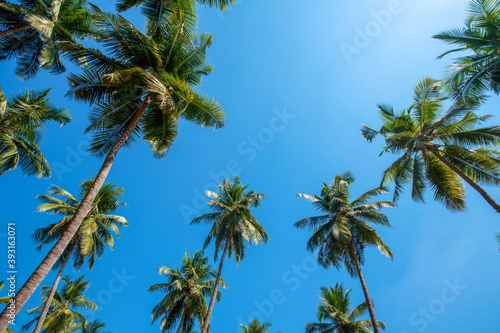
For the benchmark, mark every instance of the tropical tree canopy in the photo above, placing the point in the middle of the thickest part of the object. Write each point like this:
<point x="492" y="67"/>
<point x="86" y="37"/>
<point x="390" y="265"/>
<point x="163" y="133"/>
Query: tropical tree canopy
<point x="186" y="291"/>
<point x="335" y="313"/>
<point x="64" y="312"/>
<point x="95" y="233"/>
<point x="32" y="29"/>
<point x="232" y="219"/>
<point x="143" y="75"/>
<point x="470" y="75"/>
<point x="255" y="327"/>
<point x="438" y="147"/>
<point x="21" y="120"/>
<point x="344" y="221"/>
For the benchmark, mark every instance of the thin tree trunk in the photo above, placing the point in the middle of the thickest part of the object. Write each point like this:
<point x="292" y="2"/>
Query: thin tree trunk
<point x="45" y="310"/>
<point x="206" y="323"/>
<point x="183" y="318"/>
<point x="371" y="310"/>
<point x="469" y="181"/>
<point x="14" y="30"/>
<point x="83" y="209"/>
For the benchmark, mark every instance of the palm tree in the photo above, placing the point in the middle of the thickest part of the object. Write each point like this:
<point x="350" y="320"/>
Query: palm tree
<point x="186" y="290"/>
<point x="93" y="235"/>
<point x="32" y="30"/>
<point x="335" y="308"/>
<point x="21" y="121"/>
<point x="439" y="148"/>
<point x="5" y="300"/>
<point x="155" y="10"/>
<point x="256" y="327"/>
<point x="95" y="326"/>
<point x="470" y="75"/>
<point x="341" y="235"/>
<point x="232" y="226"/>
<point x="63" y="315"/>
<point x="141" y="88"/>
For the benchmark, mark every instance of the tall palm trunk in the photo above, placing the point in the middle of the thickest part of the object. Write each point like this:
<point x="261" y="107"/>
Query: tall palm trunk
<point x="83" y="209"/>
<point x="183" y="318"/>
<point x="206" y="323"/>
<point x="469" y="181"/>
<point x="371" y="310"/>
<point x="14" y="30"/>
<point x="45" y="310"/>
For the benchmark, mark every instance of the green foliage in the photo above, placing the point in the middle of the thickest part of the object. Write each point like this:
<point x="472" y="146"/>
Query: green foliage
<point x="21" y="121"/>
<point x="95" y="232"/>
<point x="155" y="71"/>
<point x="186" y="291"/>
<point x="255" y="327"/>
<point x="424" y="132"/>
<point x="470" y="75"/>
<point x="49" y="22"/>
<point x="232" y="220"/>
<point x="343" y="222"/>
<point x="64" y="315"/>
<point x="335" y="314"/>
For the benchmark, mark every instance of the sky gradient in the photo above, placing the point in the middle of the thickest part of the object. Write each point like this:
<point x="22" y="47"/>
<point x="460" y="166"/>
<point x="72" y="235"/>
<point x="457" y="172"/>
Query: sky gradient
<point x="297" y="80"/>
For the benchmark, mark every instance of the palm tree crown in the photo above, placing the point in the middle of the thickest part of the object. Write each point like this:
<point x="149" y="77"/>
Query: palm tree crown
<point x="145" y="75"/>
<point x="94" y="233"/>
<point x="438" y="147"/>
<point x="255" y="327"/>
<point x="470" y="75"/>
<point x="232" y="219"/>
<point x="186" y="291"/>
<point x="32" y="30"/>
<point x="344" y="221"/>
<point x="21" y="121"/>
<point x="64" y="312"/>
<point x="335" y="314"/>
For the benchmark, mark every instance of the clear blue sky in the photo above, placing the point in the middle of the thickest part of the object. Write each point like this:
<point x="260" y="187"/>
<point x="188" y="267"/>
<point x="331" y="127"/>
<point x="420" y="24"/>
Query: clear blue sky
<point x="286" y="84"/>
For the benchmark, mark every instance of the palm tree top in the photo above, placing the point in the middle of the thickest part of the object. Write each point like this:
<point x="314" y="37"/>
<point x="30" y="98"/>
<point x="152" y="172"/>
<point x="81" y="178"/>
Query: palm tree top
<point x="232" y="218"/>
<point x="426" y="129"/>
<point x="255" y="326"/>
<point x="336" y="315"/>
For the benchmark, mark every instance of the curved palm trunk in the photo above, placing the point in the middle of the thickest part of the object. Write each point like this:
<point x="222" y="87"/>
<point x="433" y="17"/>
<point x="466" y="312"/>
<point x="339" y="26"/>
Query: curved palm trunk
<point x="469" y="181"/>
<point x="45" y="310"/>
<point x="14" y="30"/>
<point x="50" y="259"/>
<point x="206" y="323"/>
<point x="371" y="309"/>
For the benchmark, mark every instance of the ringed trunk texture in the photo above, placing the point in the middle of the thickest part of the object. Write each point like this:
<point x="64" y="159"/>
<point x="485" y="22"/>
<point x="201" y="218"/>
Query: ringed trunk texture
<point x="45" y="310"/>
<point x="469" y="181"/>
<point x="371" y="309"/>
<point x="44" y="268"/>
<point x="14" y="30"/>
<point x="206" y="323"/>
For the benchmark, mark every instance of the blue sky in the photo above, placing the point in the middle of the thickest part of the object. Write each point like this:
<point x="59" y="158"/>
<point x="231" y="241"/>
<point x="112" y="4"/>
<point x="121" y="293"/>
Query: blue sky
<point x="295" y="103"/>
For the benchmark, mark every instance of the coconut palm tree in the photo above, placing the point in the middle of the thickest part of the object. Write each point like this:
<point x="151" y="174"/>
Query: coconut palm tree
<point x="335" y="315"/>
<point x="186" y="290"/>
<point x="21" y="121"/>
<point x="439" y="147"/>
<point x="141" y="87"/>
<point x="155" y="10"/>
<point x="255" y="327"/>
<point x="470" y="75"/>
<point x="233" y="225"/>
<point x="32" y="30"/>
<point x="5" y="300"/>
<point x="95" y="326"/>
<point x="343" y="232"/>
<point x="64" y="312"/>
<point x="93" y="235"/>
